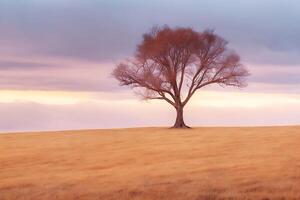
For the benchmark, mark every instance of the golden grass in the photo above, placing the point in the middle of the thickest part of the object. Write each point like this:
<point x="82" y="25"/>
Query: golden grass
<point x="152" y="163"/>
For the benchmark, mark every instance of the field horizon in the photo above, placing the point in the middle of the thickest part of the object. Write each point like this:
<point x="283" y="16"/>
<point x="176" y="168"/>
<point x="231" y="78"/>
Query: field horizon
<point x="147" y="127"/>
<point x="260" y="162"/>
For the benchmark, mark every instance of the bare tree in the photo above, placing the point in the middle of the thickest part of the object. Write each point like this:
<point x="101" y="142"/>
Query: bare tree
<point x="171" y="64"/>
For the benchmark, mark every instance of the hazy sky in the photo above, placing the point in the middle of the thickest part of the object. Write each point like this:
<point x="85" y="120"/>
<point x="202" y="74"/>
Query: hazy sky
<point x="56" y="57"/>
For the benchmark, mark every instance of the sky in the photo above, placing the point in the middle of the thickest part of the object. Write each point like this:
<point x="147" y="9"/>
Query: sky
<point x="56" y="59"/>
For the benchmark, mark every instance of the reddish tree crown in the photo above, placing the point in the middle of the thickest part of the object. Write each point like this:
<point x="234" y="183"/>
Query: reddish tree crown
<point x="173" y="63"/>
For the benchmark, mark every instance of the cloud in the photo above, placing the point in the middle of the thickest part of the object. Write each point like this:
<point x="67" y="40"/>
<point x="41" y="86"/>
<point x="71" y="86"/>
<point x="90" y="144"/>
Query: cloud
<point x="28" y="116"/>
<point x="34" y="116"/>
<point x="109" y="30"/>
<point x="9" y="65"/>
<point x="68" y="29"/>
<point x="44" y="73"/>
<point x="277" y="75"/>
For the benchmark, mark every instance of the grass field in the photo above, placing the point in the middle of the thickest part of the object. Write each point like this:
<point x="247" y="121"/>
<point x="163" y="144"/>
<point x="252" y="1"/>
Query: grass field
<point x="152" y="163"/>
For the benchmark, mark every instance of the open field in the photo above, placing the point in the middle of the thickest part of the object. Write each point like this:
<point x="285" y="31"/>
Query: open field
<point x="152" y="163"/>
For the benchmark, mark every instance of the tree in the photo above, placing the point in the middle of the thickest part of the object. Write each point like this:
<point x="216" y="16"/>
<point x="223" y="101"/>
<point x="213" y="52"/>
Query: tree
<point x="171" y="64"/>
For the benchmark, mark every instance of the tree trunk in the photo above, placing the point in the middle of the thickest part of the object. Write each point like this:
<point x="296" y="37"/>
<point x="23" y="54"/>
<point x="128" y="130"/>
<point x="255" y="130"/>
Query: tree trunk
<point x="179" y="123"/>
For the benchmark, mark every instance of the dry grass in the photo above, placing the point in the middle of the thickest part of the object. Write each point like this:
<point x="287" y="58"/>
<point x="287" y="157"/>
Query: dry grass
<point x="152" y="163"/>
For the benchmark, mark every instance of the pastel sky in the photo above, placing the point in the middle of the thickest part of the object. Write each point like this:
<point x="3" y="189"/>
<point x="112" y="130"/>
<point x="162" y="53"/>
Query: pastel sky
<point x="56" y="57"/>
